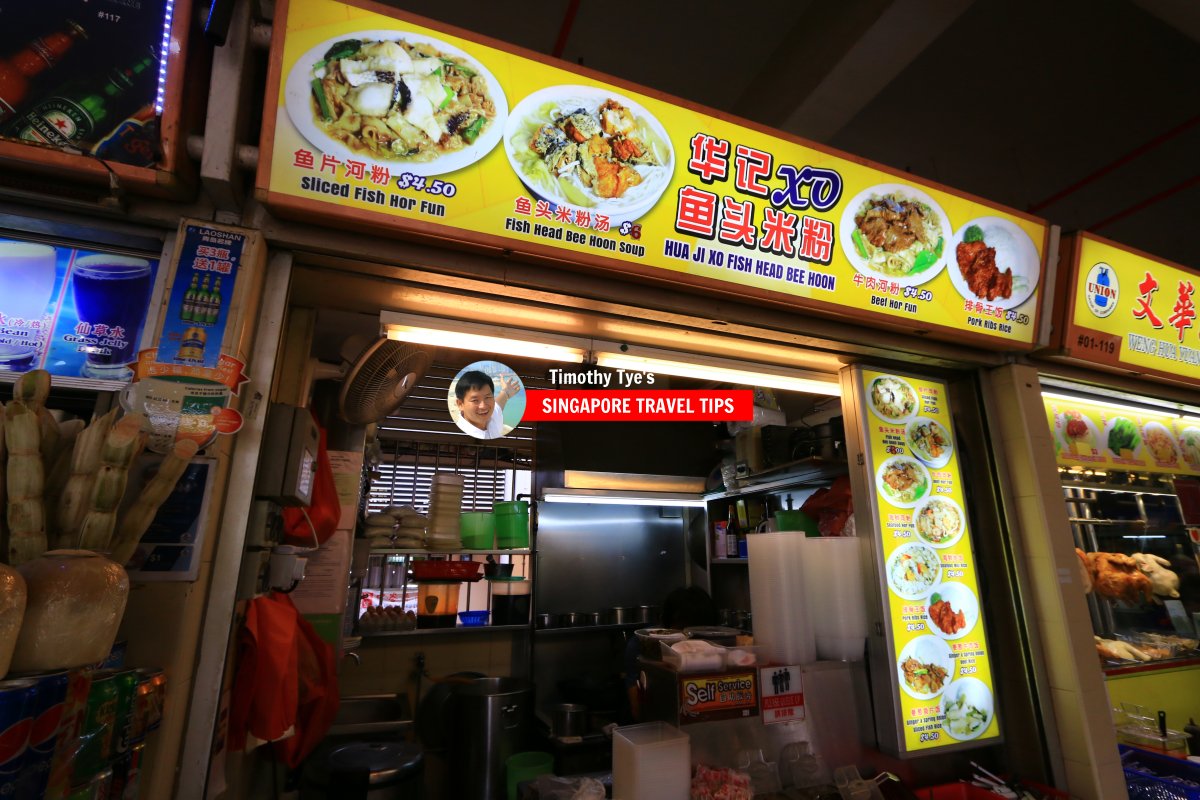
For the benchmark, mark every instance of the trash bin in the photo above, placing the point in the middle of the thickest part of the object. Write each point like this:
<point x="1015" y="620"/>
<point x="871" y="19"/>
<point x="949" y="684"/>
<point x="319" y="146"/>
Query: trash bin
<point x="492" y="720"/>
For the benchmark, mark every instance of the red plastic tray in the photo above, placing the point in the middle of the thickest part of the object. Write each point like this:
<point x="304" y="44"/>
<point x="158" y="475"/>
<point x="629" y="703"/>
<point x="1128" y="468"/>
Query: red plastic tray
<point x="426" y="570"/>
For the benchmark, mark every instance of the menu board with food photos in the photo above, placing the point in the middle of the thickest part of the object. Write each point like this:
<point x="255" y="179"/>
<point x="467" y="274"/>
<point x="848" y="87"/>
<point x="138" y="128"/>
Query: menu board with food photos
<point x="941" y="669"/>
<point x="1101" y="436"/>
<point x="381" y="121"/>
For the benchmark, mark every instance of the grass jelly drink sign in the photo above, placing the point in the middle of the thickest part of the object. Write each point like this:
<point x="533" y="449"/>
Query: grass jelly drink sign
<point x="942" y="692"/>
<point x="73" y="312"/>
<point x="390" y="123"/>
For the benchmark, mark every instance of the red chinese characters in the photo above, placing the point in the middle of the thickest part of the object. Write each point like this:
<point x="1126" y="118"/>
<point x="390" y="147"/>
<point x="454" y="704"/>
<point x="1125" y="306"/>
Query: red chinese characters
<point x="737" y="223"/>
<point x="710" y="158"/>
<point x="1146" y="290"/>
<point x="303" y="159"/>
<point x="356" y="169"/>
<point x="696" y="212"/>
<point x="328" y="161"/>
<point x="1184" y="312"/>
<point x="750" y="167"/>
<point x="816" y="240"/>
<point x="523" y="206"/>
<point x="380" y="176"/>
<point x="779" y="232"/>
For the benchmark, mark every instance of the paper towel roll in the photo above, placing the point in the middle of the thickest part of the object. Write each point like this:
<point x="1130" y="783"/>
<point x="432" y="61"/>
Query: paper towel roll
<point x="833" y="582"/>
<point x="782" y="625"/>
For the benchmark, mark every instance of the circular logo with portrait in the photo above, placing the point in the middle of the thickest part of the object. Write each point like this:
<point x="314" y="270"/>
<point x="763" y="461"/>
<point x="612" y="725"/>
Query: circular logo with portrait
<point x="486" y="400"/>
<point x="1101" y="289"/>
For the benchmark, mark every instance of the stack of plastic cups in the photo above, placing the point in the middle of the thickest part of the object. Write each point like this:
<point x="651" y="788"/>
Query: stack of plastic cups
<point x="445" y="511"/>
<point x="651" y="760"/>
<point x="782" y="622"/>
<point x="833" y="585"/>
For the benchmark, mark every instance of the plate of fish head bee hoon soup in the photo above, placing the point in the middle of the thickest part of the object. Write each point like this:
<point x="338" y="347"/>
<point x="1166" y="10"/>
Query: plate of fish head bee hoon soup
<point x="895" y="232"/>
<point x="398" y="99"/>
<point x="995" y="262"/>
<point x="903" y="481"/>
<point x="925" y="667"/>
<point x="967" y="708"/>
<point x="951" y="611"/>
<point x="893" y="399"/>
<point x="929" y="441"/>
<point x="591" y="149"/>
<point x="939" y="521"/>
<point x="913" y="569"/>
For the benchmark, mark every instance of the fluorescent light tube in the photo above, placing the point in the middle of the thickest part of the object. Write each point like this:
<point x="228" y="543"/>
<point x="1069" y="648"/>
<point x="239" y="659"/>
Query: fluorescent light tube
<point x="703" y="368"/>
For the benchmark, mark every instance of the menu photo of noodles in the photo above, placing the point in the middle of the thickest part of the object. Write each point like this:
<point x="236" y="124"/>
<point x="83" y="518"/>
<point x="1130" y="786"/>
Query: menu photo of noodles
<point x="994" y="261"/>
<point x="396" y="98"/>
<point x="895" y="232"/>
<point x="590" y="148"/>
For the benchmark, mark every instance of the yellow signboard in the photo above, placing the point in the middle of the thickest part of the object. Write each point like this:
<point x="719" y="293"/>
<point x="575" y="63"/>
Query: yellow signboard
<point x="1098" y="436"/>
<point x="938" y="645"/>
<point x="386" y="123"/>
<point x="1131" y="311"/>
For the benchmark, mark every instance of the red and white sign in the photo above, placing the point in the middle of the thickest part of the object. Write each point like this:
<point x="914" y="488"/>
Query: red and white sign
<point x="782" y="694"/>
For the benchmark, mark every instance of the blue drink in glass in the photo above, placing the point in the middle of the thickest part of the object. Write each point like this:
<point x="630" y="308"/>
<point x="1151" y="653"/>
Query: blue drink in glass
<point x="112" y="297"/>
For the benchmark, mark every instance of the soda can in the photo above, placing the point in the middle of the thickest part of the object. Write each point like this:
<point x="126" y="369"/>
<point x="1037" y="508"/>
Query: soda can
<point x="116" y="656"/>
<point x="148" y="704"/>
<point x="96" y="788"/>
<point x="79" y="684"/>
<point x="127" y="682"/>
<point x="99" y="722"/>
<point x="47" y="719"/>
<point x="127" y="772"/>
<point x="18" y="698"/>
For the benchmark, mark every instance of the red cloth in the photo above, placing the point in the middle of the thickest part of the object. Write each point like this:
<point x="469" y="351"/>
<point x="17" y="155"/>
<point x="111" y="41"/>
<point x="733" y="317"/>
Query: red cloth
<point x="325" y="510"/>
<point x="286" y="678"/>
<point x="831" y="507"/>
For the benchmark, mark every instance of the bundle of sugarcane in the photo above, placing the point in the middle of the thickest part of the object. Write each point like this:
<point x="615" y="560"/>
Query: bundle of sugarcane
<point x="25" y="479"/>
<point x="137" y="519"/>
<point x="76" y="495"/>
<point x="122" y="446"/>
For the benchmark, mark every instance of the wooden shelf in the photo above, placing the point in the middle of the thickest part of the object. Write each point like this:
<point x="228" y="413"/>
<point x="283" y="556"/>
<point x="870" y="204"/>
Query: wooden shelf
<point x="572" y="629"/>
<point x="806" y="471"/>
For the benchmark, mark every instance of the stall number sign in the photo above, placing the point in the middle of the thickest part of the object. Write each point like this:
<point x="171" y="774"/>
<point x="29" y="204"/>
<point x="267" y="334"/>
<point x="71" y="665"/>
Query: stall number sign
<point x="782" y="694"/>
<point x="941" y="669"/>
<point x="725" y="696"/>
<point x="510" y="151"/>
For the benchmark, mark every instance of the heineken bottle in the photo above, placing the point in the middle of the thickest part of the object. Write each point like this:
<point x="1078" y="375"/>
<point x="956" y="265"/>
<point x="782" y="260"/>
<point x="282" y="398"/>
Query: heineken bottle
<point x="83" y="109"/>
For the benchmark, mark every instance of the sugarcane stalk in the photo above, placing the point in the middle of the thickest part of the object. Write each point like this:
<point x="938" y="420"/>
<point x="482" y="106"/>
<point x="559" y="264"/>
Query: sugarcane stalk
<point x="25" y="481"/>
<point x="3" y="489"/>
<point x="51" y="435"/>
<point x="136" y="521"/>
<point x="76" y="495"/>
<point x="32" y="389"/>
<point x="121" y="447"/>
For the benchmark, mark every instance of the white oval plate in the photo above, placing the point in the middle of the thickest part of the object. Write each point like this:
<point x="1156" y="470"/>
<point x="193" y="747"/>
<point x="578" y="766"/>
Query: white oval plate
<point x="953" y="540"/>
<point x="919" y="593"/>
<point x="886" y="492"/>
<point x="894" y="420"/>
<point x="977" y="694"/>
<point x="928" y="650"/>
<point x="639" y="199"/>
<point x="1014" y="250"/>
<point x="1060" y="422"/>
<point x="936" y="463"/>
<point x="961" y="598"/>
<point x="298" y="90"/>
<point x="1174" y="458"/>
<point x="1108" y="426"/>
<point x="847" y="228"/>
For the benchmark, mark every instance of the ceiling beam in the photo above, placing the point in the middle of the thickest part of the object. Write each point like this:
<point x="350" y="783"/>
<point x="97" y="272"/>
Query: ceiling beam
<point x="837" y="57"/>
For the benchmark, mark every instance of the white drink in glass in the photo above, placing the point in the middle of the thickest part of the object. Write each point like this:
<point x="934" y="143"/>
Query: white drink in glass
<point x="26" y="285"/>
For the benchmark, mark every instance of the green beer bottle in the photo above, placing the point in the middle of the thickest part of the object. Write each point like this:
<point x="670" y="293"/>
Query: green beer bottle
<point x="83" y="109"/>
<point x="200" y="308"/>
<point x="188" y="312"/>
<point x="214" y="303"/>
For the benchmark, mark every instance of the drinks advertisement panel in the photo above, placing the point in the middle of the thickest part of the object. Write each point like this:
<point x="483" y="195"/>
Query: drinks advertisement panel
<point x="71" y="311"/>
<point x="1131" y="311"/>
<point x="386" y="122"/>
<point x="941" y="669"/>
<point x="84" y="75"/>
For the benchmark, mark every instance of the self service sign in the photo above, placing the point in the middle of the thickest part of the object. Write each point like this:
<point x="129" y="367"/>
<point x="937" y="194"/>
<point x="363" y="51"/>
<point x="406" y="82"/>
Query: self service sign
<point x="386" y="122"/>
<point x="1127" y="310"/>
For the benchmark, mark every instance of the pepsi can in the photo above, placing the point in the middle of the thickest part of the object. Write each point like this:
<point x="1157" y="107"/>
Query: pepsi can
<point x="18" y="699"/>
<point x="47" y="718"/>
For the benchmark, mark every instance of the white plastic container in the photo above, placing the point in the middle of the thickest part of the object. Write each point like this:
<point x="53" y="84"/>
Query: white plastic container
<point x="651" y="761"/>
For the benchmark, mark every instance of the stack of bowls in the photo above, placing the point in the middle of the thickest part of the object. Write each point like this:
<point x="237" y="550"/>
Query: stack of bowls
<point x="445" y="511"/>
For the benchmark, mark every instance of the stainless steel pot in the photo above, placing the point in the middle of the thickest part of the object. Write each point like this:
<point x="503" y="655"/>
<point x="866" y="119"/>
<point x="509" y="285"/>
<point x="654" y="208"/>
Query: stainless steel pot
<point x="647" y="614"/>
<point x="569" y="619"/>
<point x="590" y="618"/>
<point x="547" y="620"/>
<point x="570" y="719"/>
<point x="620" y="615"/>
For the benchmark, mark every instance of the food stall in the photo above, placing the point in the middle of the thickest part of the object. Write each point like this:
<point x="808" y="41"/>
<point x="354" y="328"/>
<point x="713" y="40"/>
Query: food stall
<point x="681" y="244"/>
<point x="1120" y="408"/>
